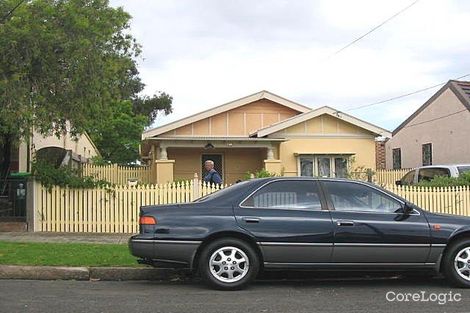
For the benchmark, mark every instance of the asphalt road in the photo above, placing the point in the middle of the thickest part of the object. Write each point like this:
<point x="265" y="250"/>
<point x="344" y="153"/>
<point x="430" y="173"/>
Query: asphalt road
<point x="306" y="295"/>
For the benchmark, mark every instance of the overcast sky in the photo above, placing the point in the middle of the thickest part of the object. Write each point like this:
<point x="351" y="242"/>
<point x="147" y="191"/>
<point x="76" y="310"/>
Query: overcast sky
<point x="208" y="52"/>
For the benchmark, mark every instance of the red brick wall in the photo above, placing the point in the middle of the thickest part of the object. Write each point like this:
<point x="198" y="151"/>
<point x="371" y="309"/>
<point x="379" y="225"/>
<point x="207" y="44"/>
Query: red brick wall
<point x="380" y="155"/>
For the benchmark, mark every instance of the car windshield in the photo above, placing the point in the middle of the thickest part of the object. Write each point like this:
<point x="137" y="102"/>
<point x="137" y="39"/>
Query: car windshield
<point x="223" y="192"/>
<point x="463" y="169"/>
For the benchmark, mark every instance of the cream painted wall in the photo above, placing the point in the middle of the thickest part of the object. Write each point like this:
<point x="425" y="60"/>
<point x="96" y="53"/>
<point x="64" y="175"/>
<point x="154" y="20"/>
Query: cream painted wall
<point x="83" y="146"/>
<point x="362" y="149"/>
<point x="449" y="136"/>
<point x="236" y="161"/>
<point x="325" y="135"/>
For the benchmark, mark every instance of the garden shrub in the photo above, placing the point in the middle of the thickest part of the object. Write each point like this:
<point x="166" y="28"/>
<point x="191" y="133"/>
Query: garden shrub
<point x="50" y="175"/>
<point x="262" y="173"/>
<point x="444" y="181"/>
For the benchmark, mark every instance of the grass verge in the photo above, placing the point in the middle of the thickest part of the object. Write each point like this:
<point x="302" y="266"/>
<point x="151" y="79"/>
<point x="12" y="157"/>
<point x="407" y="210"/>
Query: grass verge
<point x="65" y="254"/>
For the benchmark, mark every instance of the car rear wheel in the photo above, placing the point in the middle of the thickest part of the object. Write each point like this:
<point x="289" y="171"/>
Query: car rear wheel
<point x="228" y="264"/>
<point x="456" y="263"/>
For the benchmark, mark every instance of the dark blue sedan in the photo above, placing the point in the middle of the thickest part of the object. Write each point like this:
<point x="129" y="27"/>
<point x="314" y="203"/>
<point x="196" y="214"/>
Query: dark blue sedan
<point x="301" y="223"/>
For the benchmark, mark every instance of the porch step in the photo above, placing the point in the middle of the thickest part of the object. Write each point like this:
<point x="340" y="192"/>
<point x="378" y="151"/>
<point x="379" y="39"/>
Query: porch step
<point x="13" y="226"/>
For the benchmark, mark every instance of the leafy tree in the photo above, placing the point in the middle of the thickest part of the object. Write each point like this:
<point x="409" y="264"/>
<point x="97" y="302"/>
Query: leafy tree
<point x="118" y="137"/>
<point x="152" y="106"/>
<point x="67" y="60"/>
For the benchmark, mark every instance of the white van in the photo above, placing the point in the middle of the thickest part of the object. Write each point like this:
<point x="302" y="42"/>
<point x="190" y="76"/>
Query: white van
<point x="427" y="173"/>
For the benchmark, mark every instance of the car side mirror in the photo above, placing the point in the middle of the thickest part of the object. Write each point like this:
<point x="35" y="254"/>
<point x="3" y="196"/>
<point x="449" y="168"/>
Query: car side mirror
<point x="407" y="208"/>
<point x="398" y="183"/>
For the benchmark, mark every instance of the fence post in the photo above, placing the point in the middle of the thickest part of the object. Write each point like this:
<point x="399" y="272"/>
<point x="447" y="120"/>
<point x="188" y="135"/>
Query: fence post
<point x="369" y="175"/>
<point x="196" y="187"/>
<point x="32" y="205"/>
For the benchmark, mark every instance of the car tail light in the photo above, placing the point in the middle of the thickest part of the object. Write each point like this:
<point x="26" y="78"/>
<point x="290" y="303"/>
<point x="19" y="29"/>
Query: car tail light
<point x="147" y="220"/>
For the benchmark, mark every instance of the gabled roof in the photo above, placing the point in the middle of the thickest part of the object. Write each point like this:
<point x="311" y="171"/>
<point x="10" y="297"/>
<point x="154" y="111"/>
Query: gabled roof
<point x="460" y="88"/>
<point x="317" y="112"/>
<point x="223" y="108"/>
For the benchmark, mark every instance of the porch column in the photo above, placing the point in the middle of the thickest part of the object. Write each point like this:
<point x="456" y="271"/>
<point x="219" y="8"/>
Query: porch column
<point x="153" y="152"/>
<point x="164" y="171"/>
<point x="270" y="164"/>
<point x="163" y="153"/>
<point x="273" y="166"/>
<point x="164" y="167"/>
<point x="270" y="153"/>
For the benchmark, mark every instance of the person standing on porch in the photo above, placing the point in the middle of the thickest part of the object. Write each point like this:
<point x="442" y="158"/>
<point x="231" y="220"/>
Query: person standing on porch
<point x="212" y="177"/>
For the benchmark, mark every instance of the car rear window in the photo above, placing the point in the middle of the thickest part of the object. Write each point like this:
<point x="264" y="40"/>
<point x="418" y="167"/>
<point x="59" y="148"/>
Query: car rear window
<point x="463" y="169"/>
<point x="224" y="191"/>
<point x="286" y="194"/>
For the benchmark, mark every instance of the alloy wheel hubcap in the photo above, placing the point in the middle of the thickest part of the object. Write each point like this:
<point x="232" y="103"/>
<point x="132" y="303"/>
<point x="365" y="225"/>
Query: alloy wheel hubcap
<point x="229" y="264"/>
<point x="462" y="263"/>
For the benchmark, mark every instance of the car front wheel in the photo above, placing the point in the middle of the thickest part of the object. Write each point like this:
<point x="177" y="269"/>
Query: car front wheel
<point x="457" y="263"/>
<point x="228" y="264"/>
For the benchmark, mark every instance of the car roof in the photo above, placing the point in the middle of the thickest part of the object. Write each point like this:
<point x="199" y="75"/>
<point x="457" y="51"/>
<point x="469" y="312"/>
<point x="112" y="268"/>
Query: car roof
<point x="261" y="181"/>
<point x="265" y="179"/>
<point x="443" y="165"/>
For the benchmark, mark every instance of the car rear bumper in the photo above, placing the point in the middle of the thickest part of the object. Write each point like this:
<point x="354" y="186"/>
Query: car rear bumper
<point x="163" y="250"/>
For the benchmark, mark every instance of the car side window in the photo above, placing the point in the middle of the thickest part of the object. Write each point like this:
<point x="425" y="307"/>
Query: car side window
<point x="289" y="194"/>
<point x="408" y="179"/>
<point x="347" y="196"/>
<point x="463" y="169"/>
<point x="427" y="174"/>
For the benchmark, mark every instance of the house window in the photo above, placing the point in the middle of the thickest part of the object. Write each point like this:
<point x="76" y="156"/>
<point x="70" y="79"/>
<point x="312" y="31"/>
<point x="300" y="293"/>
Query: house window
<point x="427" y="154"/>
<point x="323" y="165"/>
<point x="396" y="155"/>
<point x="306" y="166"/>
<point x="341" y="167"/>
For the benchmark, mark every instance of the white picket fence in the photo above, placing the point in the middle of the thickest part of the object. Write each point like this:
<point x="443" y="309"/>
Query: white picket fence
<point x="120" y="175"/>
<point x="116" y="209"/>
<point x="388" y="177"/>
<point x="108" y="210"/>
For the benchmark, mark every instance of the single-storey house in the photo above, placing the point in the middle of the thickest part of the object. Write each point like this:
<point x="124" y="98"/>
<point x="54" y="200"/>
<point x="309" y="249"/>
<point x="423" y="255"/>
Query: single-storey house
<point x="437" y="133"/>
<point x="262" y="130"/>
<point x="62" y="150"/>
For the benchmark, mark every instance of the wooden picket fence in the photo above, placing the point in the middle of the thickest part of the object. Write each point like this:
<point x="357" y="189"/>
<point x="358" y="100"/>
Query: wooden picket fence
<point x="388" y="177"/>
<point x="108" y="210"/>
<point x="116" y="209"/>
<point x="120" y="175"/>
<point x="448" y="200"/>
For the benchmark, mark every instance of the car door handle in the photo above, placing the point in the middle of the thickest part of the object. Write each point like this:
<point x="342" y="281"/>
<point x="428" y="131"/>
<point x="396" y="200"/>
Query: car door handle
<point x="344" y="223"/>
<point x="251" y="220"/>
<point x="162" y="231"/>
